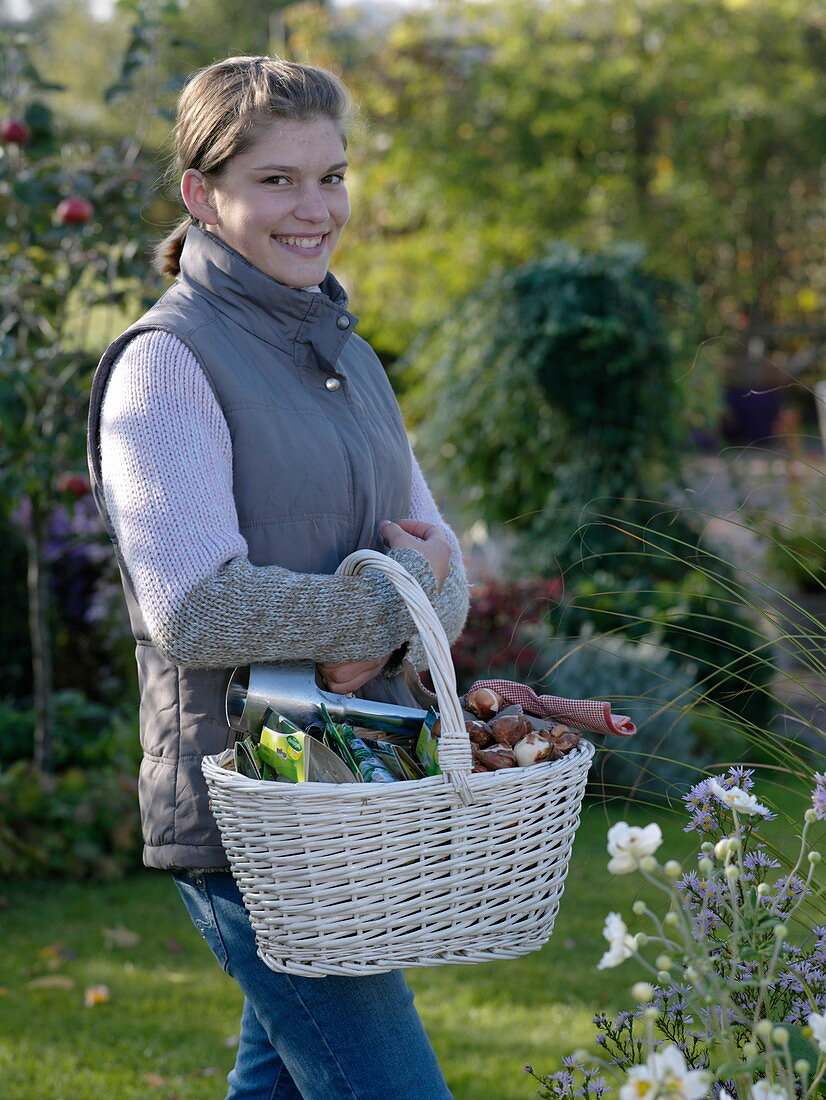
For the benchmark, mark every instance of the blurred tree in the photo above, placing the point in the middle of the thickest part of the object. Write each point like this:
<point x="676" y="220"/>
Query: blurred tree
<point x="692" y="126"/>
<point x="223" y="28"/>
<point x="69" y="254"/>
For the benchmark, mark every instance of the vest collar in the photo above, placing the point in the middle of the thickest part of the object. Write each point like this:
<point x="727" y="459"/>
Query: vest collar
<point x="280" y="315"/>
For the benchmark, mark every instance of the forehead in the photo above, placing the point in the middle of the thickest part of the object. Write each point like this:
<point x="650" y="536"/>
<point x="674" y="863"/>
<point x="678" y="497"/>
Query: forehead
<point x="309" y="140"/>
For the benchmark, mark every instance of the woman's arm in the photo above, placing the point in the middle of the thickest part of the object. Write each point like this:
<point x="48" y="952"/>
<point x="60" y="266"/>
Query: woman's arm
<point x="167" y="473"/>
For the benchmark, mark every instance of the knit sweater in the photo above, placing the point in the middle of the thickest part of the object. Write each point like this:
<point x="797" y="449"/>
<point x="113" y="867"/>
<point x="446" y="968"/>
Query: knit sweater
<point x="167" y="474"/>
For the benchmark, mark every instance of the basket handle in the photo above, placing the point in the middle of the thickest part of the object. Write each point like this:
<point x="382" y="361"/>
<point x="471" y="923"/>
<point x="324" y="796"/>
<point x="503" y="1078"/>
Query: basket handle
<point x="455" y="758"/>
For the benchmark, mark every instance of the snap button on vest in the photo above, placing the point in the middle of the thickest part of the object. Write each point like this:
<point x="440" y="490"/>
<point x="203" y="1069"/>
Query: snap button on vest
<point x="333" y="384"/>
<point x="343" y="322"/>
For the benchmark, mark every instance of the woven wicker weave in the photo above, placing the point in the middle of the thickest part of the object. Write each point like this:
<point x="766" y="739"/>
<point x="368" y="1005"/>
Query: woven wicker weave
<point x="367" y="877"/>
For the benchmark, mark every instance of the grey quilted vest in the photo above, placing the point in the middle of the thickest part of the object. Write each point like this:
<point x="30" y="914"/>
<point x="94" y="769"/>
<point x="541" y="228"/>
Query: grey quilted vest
<point x="320" y="456"/>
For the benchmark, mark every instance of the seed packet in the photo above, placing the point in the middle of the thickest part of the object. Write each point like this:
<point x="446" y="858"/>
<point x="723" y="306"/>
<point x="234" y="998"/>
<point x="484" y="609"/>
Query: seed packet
<point x="246" y="759"/>
<point x="397" y="759"/>
<point x="371" y="768"/>
<point x="427" y="746"/>
<point x="284" y="751"/>
<point x="296" y="756"/>
<point x="337" y="743"/>
<point x="354" y="751"/>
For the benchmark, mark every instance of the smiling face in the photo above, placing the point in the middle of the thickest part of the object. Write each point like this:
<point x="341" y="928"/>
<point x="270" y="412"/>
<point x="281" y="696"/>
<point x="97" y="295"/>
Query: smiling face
<point x="282" y="203"/>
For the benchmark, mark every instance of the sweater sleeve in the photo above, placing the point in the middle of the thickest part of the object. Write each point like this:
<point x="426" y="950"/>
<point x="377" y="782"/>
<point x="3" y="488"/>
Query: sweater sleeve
<point x="167" y="477"/>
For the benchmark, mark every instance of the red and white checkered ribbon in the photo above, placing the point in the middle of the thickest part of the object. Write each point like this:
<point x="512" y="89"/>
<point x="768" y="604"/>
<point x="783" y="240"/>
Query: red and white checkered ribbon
<point x="582" y="714"/>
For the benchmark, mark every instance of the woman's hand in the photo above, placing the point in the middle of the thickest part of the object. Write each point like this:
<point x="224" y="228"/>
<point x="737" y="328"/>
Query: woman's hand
<point x="430" y="541"/>
<point x="342" y="679"/>
<point x="427" y="538"/>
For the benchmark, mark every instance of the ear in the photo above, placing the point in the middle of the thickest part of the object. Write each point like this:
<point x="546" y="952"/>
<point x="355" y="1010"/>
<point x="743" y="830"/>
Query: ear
<point x="197" y="196"/>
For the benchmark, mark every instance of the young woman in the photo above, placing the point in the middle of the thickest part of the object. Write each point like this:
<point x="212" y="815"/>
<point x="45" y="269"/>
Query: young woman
<point x="244" y="440"/>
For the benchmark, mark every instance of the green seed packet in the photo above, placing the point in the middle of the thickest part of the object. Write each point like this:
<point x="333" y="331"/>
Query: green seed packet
<point x="296" y="756"/>
<point x="371" y="768"/>
<point x="427" y="746"/>
<point x="335" y="740"/>
<point x="284" y="753"/>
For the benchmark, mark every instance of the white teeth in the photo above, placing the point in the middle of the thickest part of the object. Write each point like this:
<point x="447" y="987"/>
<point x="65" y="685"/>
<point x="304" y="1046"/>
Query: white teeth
<point x="301" y="242"/>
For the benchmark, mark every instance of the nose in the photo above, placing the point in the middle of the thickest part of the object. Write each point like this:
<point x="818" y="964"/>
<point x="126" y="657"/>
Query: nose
<point x="311" y="206"/>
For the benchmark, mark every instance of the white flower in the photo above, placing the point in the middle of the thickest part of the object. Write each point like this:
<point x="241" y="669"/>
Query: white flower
<point x="665" y="1074"/>
<point x="621" y="945"/>
<point x="736" y="799"/>
<point x="818" y="1025"/>
<point x="628" y="844"/>
<point x="766" y="1090"/>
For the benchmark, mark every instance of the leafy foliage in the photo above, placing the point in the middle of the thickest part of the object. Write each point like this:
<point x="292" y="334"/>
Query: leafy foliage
<point x="70" y="257"/>
<point x="81" y="819"/>
<point x="554" y="406"/>
<point x="87" y="733"/>
<point x="79" y="823"/>
<point x="494" y="641"/>
<point x="555" y="384"/>
<point x="701" y="617"/>
<point x="617" y="129"/>
<point x="797" y="554"/>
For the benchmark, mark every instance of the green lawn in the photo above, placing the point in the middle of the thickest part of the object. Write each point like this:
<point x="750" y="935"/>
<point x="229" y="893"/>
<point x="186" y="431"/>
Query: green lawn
<point x="167" y="1030"/>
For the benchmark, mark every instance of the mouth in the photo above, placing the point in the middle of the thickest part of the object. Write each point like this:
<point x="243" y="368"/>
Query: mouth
<point x="303" y="244"/>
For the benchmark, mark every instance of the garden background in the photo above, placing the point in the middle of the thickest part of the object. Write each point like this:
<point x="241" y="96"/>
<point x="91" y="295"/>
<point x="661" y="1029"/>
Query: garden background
<point x="588" y="245"/>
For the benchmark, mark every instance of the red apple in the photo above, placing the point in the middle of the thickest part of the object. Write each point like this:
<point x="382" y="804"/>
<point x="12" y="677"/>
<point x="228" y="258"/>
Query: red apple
<point x="74" y="485"/>
<point x="74" y="211"/>
<point x="14" y="131"/>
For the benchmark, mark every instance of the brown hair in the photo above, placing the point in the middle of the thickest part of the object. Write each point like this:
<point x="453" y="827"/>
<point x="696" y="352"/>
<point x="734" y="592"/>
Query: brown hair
<point x="221" y="108"/>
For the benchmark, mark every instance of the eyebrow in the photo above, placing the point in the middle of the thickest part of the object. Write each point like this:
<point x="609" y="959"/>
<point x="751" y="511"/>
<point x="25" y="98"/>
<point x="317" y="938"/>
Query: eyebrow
<point x="294" y="169"/>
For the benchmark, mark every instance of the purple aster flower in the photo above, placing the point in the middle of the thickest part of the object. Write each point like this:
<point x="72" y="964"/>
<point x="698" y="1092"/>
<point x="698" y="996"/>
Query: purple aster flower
<point x="738" y="776"/>
<point x="758" y="859"/>
<point x="702" y="821"/>
<point x="789" y="889"/>
<point x="819" y="796"/>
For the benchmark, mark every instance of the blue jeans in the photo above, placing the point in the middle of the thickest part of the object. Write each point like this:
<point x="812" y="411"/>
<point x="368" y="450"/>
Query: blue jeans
<point x="330" y="1038"/>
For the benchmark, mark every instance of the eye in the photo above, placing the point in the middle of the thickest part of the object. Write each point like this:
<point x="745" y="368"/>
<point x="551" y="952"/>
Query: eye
<point x="334" y="177"/>
<point x="276" y="181"/>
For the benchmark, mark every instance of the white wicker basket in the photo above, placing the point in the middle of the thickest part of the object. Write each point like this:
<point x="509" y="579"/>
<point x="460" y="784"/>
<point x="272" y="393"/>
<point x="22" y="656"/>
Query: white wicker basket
<point x="366" y="877"/>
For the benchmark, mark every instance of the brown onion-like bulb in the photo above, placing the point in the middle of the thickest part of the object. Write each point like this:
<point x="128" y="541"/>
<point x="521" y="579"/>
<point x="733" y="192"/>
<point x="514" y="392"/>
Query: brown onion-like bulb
<point x="532" y="749"/>
<point x="510" y="728"/>
<point x="479" y="733"/>
<point x="496" y="757"/>
<point x="484" y="703"/>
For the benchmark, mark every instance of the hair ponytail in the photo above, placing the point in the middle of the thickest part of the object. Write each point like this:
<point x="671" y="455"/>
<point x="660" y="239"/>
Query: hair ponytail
<point x="168" y="252"/>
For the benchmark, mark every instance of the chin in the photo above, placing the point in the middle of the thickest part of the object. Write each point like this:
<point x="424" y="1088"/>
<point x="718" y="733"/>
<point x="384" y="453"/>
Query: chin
<point x="300" y="280"/>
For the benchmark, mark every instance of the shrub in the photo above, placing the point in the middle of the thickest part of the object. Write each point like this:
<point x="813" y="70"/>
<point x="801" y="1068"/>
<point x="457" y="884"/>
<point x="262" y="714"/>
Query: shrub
<point x="80" y="820"/>
<point x="695" y="618"/>
<point x="87" y="733"/>
<point x="493" y="642"/>
<point x="81" y="823"/>
<point x="553" y="384"/>
<point x="15" y="651"/>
